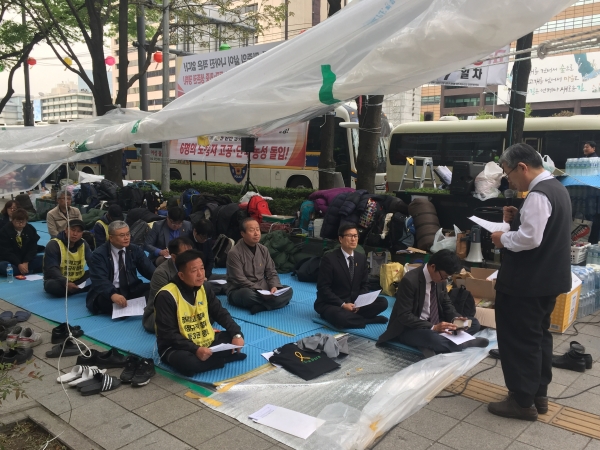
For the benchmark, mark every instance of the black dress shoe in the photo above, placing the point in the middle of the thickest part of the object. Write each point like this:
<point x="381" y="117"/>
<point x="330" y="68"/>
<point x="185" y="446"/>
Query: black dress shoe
<point x="511" y="409"/>
<point x="111" y="359"/>
<point x="580" y="351"/>
<point x="494" y="353"/>
<point x="88" y="360"/>
<point x="541" y="404"/>
<point x="569" y="361"/>
<point x="61" y="333"/>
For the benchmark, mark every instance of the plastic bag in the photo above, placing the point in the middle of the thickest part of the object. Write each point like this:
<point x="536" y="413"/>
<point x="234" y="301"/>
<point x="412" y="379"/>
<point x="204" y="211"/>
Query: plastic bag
<point x="548" y="164"/>
<point x="488" y="182"/>
<point x="441" y="242"/>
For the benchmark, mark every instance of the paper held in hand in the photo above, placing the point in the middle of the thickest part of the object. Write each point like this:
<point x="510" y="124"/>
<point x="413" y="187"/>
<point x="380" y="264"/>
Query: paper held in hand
<point x="492" y="227"/>
<point x="135" y="307"/>
<point x="277" y="293"/>
<point x="366" y="299"/>
<point x="85" y="283"/>
<point x="459" y="338"/>
<point x="223" y="347"/>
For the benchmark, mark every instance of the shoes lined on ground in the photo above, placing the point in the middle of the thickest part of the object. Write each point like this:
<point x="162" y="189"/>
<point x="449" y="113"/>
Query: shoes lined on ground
<point x="67" y="348"/>
<point x="15" y="355"/>
<point x="494" y="353"/>
<point x="511" y="409"/>
<point x="22" y="316"/>
<point x="144" y="371"/>
<point x="88" y="360"/>
<point x="131" y="365"/>
<point x="61" y="332"/>
<point x="111" y="359"/>
<point x="101" y="383"/>
<point x="28" y="338"/>
<point x="13" y="335"/>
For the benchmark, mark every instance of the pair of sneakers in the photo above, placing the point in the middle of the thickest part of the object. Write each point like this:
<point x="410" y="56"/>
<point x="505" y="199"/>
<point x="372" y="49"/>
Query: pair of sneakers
<point x="23" y="338"/>
<point x="138" y="371"/>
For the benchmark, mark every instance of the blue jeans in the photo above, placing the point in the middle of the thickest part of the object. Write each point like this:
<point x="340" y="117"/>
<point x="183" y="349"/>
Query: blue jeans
<point x="35" y="266"/>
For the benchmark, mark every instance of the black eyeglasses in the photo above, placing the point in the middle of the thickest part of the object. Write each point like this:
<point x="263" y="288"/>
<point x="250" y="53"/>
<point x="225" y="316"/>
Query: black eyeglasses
<point x="505" y="175"/>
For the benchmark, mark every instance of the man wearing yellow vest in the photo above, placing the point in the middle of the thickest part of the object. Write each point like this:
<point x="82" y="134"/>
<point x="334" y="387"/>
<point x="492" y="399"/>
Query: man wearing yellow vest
<point x="184" y="313"/>
<point x="64" y="261"/>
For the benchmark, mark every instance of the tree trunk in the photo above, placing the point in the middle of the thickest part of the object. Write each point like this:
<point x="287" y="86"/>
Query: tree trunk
<point x="369" y="121"/>
<point x="334" y="6"/>
<point x="520" y="80"/>
<point x="326" y="161"/>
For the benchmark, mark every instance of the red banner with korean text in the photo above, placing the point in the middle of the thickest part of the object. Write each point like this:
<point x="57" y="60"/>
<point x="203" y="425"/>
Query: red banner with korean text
<point x="283" y="147"/>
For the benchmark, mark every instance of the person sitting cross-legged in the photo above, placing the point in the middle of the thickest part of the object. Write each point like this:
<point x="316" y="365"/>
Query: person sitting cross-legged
<point x="343" y="276"/>
<point x="163" y="276"/>
<point x="164" y="232"/>
<point x="423" y="310"/>
<point x="113" y="271"/>
<point x="250" y="268"/>
<point x="100" y="229"/>
<point x="64" y="261"/>
<point x="185" y="312"/>
<point x="18" y="246"/>
<point x="57" y="218"/>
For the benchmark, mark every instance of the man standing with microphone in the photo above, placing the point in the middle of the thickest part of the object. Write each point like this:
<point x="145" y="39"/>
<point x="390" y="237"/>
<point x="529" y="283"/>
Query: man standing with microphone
<point x="535" y="270"/>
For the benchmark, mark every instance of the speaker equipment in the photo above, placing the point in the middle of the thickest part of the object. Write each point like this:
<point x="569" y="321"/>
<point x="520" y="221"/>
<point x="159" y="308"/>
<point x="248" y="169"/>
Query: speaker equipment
<point x="248" y="144"/>
<point x="475" y="255"/>
<point x="463" y="176"/>
<point x="491" y="214"/>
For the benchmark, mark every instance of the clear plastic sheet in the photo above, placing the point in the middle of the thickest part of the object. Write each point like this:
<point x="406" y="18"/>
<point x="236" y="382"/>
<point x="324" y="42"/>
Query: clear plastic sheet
<point x="375" y="389"/>
<point x="369" y="47"/>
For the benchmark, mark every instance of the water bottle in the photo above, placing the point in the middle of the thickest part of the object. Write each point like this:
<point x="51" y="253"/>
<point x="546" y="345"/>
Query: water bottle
<point x="569" y="166"/>
<point x="9" y="273"/>
<point x="311" y="228"/>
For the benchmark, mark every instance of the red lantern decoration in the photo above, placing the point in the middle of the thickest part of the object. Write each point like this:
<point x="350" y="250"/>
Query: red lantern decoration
<point x="31" y="61"/>
<point x="158" y="57"/>
<point x="109" y="60"/>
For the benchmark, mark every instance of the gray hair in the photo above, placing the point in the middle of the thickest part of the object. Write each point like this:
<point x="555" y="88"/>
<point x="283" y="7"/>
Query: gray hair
<point x="521" y="153"/>
<point x="116" y="225"/>
<point x="63" y="193"/>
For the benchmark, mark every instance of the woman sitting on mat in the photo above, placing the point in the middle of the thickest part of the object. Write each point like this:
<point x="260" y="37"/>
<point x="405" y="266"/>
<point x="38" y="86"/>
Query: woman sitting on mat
<point x="184" y="314"/>
<point x="18" y="246"/>
<point x="6" y="214"/>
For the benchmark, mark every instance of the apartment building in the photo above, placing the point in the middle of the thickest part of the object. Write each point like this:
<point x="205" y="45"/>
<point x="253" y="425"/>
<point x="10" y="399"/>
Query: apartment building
<point x="66" y="102"/>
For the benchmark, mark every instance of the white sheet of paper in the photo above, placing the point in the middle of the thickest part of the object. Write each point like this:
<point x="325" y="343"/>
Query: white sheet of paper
<point x="135" y="307"/>
<point x="267" y="356"/>
<point x="277" y="293"/>
<point x="218" y="281"/>
<point x="461" y="337"/>
<point x="168" y="257"/>
<point x="223" y="347"/>
<point x="85" y="283"/>
<point x="492" y="227"/>
<point x="288" y="421"/>
<point x="34" y="277"/>
<point x="493" y="276"/>
<point x="366" y="299"/>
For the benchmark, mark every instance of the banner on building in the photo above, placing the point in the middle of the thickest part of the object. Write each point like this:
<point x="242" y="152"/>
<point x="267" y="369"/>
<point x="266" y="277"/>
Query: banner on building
<point x="480" y="74"/>
<point x="283" y="147"/>
<point x="568" y="77"/>
<point x="195" y="70"/>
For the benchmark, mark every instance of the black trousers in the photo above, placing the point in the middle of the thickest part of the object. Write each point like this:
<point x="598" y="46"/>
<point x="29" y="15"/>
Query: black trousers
<point x="429" y="339"/>
<point x="188" y="363"/>
<point x="103" y="304"/>
<point x="340" y="318"/>
<point x="57" y="288"/>
<point x="247" y="298"/>
<point x="525" y="344"/>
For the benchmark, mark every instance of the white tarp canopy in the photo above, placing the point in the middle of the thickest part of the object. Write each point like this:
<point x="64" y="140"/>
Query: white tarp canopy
<point x="369" y="47"/>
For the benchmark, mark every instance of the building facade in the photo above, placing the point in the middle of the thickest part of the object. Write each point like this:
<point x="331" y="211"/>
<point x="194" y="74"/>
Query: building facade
<point x="12" y="114"/>
<point x="66" y="102"/>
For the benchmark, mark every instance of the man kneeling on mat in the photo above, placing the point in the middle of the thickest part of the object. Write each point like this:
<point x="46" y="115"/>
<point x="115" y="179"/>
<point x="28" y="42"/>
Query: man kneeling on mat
<point x="64" y="261"/>
<point x="184" y="314"/>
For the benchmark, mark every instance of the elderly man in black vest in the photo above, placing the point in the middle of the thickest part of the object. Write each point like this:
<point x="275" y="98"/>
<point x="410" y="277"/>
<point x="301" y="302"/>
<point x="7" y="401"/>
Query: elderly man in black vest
<point x="535" y="269"/>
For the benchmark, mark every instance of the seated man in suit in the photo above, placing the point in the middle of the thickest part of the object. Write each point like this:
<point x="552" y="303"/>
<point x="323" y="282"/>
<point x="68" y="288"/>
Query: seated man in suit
<point x="423" y="310"/>
<point x="184" y="314"/>
<point x="65" y="261"/>
<point x="164" y="232"/>
<point x="162" y="276"/>
<point x="343" y="276"/>
<point x="250" y="268"/>
<point x="113" y="271"/>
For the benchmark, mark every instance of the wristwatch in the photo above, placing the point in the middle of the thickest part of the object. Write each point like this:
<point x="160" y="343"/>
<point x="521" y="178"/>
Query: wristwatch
<point x="238" y="336"/>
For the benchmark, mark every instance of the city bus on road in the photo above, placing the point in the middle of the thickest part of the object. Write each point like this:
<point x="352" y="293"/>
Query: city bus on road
<point x="447" y="141"/>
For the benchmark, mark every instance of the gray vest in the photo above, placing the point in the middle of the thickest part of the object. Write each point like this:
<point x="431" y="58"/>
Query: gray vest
<point x="545" y="270"/>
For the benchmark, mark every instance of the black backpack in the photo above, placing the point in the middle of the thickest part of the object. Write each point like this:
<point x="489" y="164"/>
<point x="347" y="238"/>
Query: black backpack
<point x="373" y="238"/>
<point x="200" y="202"/>
<point x="399" y="236"/>
<point x="221" y="248"/>
<point x="87" y="195"/>
<point x="153" y="200"/>
<point x="138" y="231"/>
<point x="130" y="197"/>
<point x="463" y="301"/>
<point x="107" y="190"/>
<point x="308" y="269"/>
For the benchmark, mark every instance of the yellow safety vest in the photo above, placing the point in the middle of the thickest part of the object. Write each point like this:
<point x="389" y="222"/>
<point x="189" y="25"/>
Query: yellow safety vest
<point x="75" y="261"/>
<point x="101" y="222"/>
<point x="193" y="319"/>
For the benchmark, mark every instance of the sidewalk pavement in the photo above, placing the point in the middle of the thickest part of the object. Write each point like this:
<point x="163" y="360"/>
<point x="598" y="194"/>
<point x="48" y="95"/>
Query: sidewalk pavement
<point x="161" y="416"/>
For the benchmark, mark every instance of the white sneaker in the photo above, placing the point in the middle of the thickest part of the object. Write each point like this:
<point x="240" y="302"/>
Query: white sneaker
<point x="29" y="338"/>
<point x="13" y="335"/>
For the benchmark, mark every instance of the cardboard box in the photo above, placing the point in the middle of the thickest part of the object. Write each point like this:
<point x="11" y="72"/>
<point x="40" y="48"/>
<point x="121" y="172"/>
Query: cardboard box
<point x="565" y="310"/>
<point x="486" y="316"/>
<point x="477" y="285"/>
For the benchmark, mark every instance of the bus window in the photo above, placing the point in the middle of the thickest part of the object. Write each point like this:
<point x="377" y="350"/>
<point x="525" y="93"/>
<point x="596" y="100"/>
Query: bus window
<point x="560" y="145"/>
<point x="479" y="147"/>
<point x="409" y="145"/>
<point x="341" y="151"/>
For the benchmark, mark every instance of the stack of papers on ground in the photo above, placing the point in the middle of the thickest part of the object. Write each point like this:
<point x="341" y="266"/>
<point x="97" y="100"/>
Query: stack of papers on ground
<point x="286" y="420"/>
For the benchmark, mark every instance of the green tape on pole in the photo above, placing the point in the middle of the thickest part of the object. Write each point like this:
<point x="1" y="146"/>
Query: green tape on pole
<point x="326" y="91"/>
<point x="81" y="148"/>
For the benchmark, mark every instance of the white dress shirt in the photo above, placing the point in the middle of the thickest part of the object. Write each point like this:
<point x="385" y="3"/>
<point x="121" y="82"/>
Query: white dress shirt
<point x="427" y="301"/>
<point x="115" y="254"/>
<point x="535" y="212"/>
<point x="346" y="256"/>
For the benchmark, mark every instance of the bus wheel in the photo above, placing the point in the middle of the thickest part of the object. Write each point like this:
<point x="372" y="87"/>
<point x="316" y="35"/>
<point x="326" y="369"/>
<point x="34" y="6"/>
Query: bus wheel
<point x="88" y="169"/>
<point x="299" y="182"/>
<point x="175" y="174"/>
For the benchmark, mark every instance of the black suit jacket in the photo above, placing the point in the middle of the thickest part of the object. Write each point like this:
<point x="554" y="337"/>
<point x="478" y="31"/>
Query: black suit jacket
<point x="333" y="284"/>
<point x="409" y="305"/>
